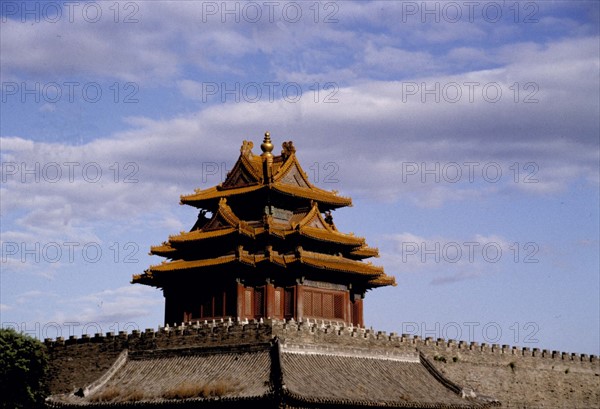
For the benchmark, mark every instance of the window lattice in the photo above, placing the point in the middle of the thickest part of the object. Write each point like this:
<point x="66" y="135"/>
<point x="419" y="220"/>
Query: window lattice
<point x="338" y="306"/>
<point x="317" y="304"/>
<point x="327" y="311"/>
<point x="307" y="299"/>
<point x="277" y="302"/>
<point x="259" y="302"/>
<point x="321" y="304"/>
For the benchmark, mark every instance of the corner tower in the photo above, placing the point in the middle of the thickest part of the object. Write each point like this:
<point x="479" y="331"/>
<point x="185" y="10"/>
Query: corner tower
<point x="265" y="246"/>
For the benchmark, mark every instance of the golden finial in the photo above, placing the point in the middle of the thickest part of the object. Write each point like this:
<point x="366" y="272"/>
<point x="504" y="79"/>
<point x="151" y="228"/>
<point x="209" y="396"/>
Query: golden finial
<point x="267" y="146"/>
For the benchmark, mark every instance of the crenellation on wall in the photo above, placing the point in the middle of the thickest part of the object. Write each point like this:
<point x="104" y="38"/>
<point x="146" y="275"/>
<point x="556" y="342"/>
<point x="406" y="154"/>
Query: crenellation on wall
<point x="520" y="377"/>
<point x="237" y="329"/>
<point x="229" y="330"/>
<point x="499" y="371"/>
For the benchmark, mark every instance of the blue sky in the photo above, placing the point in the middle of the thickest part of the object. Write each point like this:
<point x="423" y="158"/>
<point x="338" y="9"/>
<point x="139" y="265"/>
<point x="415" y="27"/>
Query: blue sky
<point x="467" y="135"/>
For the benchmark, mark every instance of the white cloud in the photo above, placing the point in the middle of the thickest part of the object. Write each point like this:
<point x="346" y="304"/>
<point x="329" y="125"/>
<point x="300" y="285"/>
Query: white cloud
<point x="48" y="108"/>
<point x="450" y="259"/>
<point x="61" y="50"/>
<point x="399" y="61"/>
<point x="191" y="89"/>
<point x="123" y="305"/>
<point x="28" y="296"/>
<point x="5" y="307"/>
<point x="386" y="133"/>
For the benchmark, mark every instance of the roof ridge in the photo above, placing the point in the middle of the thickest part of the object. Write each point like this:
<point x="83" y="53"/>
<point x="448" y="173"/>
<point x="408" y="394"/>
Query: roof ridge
<point x="348" y="351"/>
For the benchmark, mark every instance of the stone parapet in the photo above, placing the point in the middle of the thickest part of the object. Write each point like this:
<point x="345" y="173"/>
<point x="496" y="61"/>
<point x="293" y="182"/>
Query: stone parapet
<point x="516" y="376"/>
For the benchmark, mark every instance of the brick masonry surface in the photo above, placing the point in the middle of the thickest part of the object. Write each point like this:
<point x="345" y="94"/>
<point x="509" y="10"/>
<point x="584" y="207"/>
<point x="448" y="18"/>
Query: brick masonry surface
<point x="517" y="377"/>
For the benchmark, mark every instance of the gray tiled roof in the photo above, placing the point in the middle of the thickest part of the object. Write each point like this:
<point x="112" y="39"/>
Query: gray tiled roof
<point x="369" y="379"/>
<point x="202" y="374"/>
<point x="294" y="375"/>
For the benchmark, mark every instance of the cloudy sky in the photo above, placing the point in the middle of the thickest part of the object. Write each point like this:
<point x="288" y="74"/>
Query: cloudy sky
<point x="467" y="134"/>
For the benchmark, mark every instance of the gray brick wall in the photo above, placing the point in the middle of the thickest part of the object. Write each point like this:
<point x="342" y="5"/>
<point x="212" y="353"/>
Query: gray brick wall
<point x="519" y="378"/>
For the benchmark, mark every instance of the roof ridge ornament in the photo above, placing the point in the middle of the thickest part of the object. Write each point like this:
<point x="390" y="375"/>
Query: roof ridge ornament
<point x="267" y="146"/>
<point x="246" y="148"/>
<point x="267" y="157"/>
<point x="288" y="149"/>
<point x="329" y="219"/>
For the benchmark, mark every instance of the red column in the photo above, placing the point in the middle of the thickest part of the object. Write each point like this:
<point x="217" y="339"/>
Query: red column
<point x="358" y="312"/>
<point x="347" y="307"/>
<point x="240" y="300"/>
<point x="270" y="299"/>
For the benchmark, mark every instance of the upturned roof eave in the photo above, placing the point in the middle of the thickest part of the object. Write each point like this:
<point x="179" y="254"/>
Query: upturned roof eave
<point x="308" y="232"/>
<point x="369" y="276"/>
<point x="209" y="197"/>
